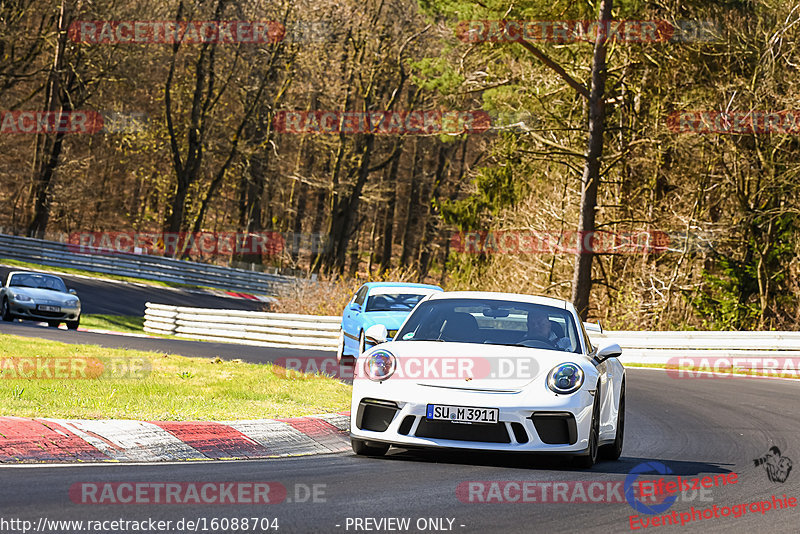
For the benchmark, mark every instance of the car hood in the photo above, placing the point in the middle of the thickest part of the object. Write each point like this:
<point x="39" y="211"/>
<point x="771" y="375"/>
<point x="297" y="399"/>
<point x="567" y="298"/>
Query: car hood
<point x="474" y="366"/>
<point x="392" y="320"/>
<point x="43" y="296"/>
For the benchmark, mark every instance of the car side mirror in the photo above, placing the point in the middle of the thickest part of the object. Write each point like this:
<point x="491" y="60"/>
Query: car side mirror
<point x="376" y="334"/>
<point x="354" y="307"/>
<point x="609" y="351"/>
<point x="72" y="292"/>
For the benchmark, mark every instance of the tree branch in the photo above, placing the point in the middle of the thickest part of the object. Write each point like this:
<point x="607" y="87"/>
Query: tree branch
<point x="572" y="82"/>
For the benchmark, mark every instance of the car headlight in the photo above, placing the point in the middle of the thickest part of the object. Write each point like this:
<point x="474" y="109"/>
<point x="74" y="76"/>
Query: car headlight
<point x="565" y="378"/>
<point x="71" y="302"/>
<point x="22" y="298"/>
<point x="380" y="365"/>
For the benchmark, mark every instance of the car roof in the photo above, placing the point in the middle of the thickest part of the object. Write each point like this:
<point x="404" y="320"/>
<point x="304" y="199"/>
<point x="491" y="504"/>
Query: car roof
<point x="401" y="284"/>
<point x="492" y="295"/>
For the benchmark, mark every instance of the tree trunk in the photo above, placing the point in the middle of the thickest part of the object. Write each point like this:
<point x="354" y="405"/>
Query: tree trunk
<point x="316" y="228"/>
<point x="388" y="228"/>
<point x="349" y="210"/>
<point x="431" y="218"/>
<point x="582" y="276"/>
<point x="48" y="149"/>
<point x="412" y="216"/>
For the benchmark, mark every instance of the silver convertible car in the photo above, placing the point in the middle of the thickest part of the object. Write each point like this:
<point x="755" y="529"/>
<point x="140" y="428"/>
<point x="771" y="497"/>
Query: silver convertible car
<point x="39" y="297"/>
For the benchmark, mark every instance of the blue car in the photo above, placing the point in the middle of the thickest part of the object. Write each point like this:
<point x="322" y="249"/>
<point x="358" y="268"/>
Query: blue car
<point x="386" y="303"/>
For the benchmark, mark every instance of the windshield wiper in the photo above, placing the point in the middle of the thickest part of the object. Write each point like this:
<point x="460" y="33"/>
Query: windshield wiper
<point x="520" y="345"/>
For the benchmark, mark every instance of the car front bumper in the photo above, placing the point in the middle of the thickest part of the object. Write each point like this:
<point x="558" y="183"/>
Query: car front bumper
<point x="28" y="310"/>
<point x="547" y="424"/>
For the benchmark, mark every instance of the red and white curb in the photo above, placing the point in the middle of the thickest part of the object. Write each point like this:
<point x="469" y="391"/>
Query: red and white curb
<point x="24" y="440"/>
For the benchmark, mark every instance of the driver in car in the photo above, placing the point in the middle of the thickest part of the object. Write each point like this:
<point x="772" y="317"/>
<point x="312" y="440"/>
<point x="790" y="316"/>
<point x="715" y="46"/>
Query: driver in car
<point x="540" y="328"/>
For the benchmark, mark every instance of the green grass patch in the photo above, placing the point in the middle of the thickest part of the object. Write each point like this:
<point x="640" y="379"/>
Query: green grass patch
<point x="117" y="323"/>
<point x="152" y="386"/>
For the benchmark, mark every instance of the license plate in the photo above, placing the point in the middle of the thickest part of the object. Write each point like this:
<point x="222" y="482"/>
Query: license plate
<point x="42" y="307"/>
<point x="462" y="414"/>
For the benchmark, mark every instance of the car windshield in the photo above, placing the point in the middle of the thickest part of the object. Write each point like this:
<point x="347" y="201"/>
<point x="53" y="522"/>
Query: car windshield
<point x="38" y="281"/>
<point x="393" y="302"/>
<point x="492" y="322"/>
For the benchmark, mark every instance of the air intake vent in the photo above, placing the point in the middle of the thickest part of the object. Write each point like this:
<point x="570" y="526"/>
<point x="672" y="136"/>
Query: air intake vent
<point x="519" y="433"/>
<point x="556" y="428"/>
<point x="375" y="415"/>
<point x="493" y="433"/>
<point x="405" y="426"/>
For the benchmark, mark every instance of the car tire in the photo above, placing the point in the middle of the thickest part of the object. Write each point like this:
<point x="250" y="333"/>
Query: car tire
<point x="5" y="312"/>
<point x="362" y="343"/>
<point x="586" y="461"/>
<point x="53" y="324"/>
<point x="361" y="448"/>
<point x="73" y="325"/>
<point x="340" y="347"/>
<point x="614" y="450"/>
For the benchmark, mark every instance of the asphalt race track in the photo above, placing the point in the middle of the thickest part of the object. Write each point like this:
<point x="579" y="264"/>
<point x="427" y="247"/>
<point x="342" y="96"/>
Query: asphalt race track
<point x="695" y="427"/>
<point x="117" y="298"/>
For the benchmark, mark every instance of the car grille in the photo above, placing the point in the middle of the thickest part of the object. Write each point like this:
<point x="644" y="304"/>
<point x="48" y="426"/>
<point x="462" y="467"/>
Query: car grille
<point x="42" y="313"/>
<point x="487" y="433"/>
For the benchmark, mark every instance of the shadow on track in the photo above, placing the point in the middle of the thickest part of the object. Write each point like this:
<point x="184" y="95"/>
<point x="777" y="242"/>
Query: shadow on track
<point x="546" y="462"/>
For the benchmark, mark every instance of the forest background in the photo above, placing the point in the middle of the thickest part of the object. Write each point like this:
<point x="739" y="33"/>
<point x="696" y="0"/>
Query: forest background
<point x="195" y="140"/>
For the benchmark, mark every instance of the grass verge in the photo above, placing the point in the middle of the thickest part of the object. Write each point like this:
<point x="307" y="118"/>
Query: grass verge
<point x="152" y="386"/>
<point x="133" y="324"/>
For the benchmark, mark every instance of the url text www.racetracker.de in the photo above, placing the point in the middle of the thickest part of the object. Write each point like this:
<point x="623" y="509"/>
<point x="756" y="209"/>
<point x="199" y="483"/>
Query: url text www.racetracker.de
<point x="193" y="524"/>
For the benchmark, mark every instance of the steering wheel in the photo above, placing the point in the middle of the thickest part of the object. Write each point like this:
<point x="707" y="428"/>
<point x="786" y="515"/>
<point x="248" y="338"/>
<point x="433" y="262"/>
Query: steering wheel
<point x="537" y="343"/>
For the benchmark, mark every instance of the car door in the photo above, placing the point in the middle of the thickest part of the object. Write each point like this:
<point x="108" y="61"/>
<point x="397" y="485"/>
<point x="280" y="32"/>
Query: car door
<point x="351" y="320"/>
<point x="607" y="386"/>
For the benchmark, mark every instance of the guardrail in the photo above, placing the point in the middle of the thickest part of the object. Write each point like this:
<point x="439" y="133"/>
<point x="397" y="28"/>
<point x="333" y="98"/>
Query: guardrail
<point x="245" y="327"/>
<point x="142" y="266"/>
<point x="321" y="333"/>
<point x="663" y="347"/>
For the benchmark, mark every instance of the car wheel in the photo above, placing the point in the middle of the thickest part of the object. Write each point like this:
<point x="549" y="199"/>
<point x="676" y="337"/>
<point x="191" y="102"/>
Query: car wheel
<point x="587" y="460"/>
<point x="6" y="312"/>
<point x="53" y="324"/>
<point x="73" y="325"/>
<point x="361" y="448"/>
<point x="362" y="343"/>
<point x="614" y="450"/>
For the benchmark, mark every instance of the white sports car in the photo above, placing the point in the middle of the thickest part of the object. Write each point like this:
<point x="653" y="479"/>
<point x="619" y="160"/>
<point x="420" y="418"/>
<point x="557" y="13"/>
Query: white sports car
<point x="490" y="371"/>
